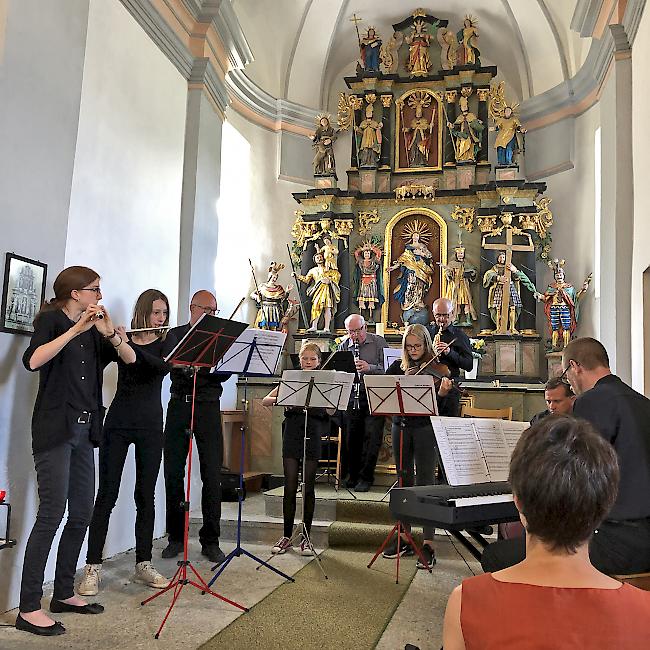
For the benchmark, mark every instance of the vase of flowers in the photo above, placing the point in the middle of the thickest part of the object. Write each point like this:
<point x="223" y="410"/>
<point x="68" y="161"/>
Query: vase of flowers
<point x="478" y="350"/>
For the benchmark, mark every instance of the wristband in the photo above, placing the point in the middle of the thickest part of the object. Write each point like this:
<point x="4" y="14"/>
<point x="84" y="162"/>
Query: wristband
<point x="110" y="336"/>
<point x="120" y="343"/>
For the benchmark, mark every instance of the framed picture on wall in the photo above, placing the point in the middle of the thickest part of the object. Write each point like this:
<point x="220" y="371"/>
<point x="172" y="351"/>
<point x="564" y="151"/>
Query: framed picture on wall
<point x="23" y="293"/>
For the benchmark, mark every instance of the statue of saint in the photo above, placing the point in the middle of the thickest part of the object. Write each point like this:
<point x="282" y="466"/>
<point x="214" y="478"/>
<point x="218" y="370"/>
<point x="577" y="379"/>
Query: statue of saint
<point x="507" y="141"/>
<point x="562" y="305"/>
<point x="369" y="294"/>
<point x="495" y="280"/>
<point x="271" y="300"/>
<point x="323" y="143"/>
<point x="370" y="48"/>
<point x="468" y="39"/>
<point x="416" y="274"/>
<point x="330" y="253"/>
<point x="370" y="146"/>
<point x="467" y="130"/>
<point x="449" y="48"/>
<point x="418" y="133"/>
<point x="419" y="62"/>
<point x="459" y="275"/>
<point x="324" y="292"/>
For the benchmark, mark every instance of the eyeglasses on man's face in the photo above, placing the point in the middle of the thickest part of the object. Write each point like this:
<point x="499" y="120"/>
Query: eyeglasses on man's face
<point x="356" y="331"/>
<point x="206" y="310"/>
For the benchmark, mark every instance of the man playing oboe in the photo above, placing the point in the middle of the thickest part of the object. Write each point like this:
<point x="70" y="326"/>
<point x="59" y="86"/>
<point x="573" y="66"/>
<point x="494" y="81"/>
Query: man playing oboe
<point x="362" y="432"/>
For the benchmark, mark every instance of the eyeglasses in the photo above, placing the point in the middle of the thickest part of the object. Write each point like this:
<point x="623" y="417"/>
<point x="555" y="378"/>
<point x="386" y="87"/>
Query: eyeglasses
<point x="97" y="290"/>
<point x="563" y="377"/>
<point x="441" y="315"/>
<point x="413" y="347"/>
<point x="206" y="310"/>
<point x="356" y="331"/>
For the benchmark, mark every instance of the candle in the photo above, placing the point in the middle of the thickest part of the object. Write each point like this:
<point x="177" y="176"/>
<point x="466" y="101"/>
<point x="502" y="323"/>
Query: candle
<point x="379" y="329"/>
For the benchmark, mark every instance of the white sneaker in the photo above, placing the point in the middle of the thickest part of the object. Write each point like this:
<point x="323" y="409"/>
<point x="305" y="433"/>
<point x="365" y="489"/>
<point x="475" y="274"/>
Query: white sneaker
<point x="89" y="585"/>
<point x="281" y="546"/>
<point x="146" y="574"/>
<point x="304" y="548"/>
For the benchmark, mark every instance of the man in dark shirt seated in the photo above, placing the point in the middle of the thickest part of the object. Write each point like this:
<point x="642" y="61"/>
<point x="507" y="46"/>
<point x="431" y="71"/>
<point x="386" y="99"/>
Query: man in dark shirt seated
<point x="621" y="545"/>
<point x="559" y="398"/>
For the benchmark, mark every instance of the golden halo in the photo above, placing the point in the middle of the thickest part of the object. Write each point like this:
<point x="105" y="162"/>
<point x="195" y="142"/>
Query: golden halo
<point x="416" y="227"/>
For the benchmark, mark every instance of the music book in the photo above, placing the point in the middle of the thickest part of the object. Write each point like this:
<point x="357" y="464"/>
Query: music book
<point x="390" y="355"/>
<point x="476" y="450"/>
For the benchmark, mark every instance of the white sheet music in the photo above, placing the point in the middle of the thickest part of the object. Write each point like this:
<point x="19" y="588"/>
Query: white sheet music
<point x="331" y="389"/>
<point x="476" y="450"/>
<point x="390" y="354"/>
<point x="265" y="355"/>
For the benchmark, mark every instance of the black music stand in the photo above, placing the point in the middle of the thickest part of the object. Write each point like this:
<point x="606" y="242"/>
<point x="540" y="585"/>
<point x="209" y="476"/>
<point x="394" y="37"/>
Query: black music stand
<point x="202" y="347"/>
<point x="403" y="396"/>
<point x="248" y="357"/>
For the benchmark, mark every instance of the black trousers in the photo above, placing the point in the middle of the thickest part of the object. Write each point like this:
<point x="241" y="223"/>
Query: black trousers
<point x="112" y="456"/>
<point x="617" y="548"/>
<point x="65" y="475"/>
<point x="209" y="444"/>
<point x="363" y="434"/>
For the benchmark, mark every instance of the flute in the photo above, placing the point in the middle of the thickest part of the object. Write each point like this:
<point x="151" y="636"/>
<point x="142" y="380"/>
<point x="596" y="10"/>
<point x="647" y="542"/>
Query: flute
<point x="149" y="329"/>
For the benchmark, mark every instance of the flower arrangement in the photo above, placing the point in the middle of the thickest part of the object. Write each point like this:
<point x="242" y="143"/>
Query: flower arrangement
<point x="478" y="347"/>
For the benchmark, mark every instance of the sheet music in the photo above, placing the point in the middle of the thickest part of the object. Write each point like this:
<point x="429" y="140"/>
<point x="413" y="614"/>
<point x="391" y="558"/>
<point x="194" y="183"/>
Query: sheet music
<point x="476" y="450"/>
<point x="264" y="357"/>
<point x="331" y="389"/>
<point x="418" y="394"/>
<point x="390" y="354"/>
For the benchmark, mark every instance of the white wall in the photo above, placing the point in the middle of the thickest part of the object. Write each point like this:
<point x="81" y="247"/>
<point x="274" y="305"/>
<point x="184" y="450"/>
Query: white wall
<point x="126" y="190"/>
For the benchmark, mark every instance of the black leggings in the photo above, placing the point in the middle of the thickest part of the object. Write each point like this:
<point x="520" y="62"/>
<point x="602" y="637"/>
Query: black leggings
<point x="291" y="466"/>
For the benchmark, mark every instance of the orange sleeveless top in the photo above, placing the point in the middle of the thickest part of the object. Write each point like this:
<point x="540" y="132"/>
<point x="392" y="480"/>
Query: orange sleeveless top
<point x="496" y="615"/>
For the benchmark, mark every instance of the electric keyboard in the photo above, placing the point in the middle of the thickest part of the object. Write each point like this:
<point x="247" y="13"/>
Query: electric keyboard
<point x="454" y="507"/>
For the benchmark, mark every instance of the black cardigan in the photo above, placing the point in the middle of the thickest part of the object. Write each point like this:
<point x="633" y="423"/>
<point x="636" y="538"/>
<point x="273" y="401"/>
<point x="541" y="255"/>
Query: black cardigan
<point x="53" y="417"/>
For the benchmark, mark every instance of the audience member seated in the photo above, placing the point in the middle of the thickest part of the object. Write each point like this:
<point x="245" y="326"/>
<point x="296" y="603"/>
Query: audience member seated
<point x="559" y="398"/>
<point x="554" y="598"/>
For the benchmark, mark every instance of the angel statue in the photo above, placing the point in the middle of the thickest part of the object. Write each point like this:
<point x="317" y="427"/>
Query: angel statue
<point x="419" y="61"/>
<point x="323" y="143"/>
<point x="562" y="305"/>
<point x="449" y="48"/>
<point x="368" y="279"/>
<point x="509" y="140"/>
<point x="459" y="275"/>
<point x="271" y="299"/>
<point x="467" y="40"/>
<point x="467" y="131"/>
<point x="416" y="273"/>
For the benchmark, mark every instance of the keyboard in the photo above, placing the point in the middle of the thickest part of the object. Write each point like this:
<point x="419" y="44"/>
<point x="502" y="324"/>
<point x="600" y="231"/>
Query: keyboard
<point x="454" y="507"/>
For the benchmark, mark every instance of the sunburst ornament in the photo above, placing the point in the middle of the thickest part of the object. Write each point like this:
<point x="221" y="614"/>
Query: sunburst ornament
<point x="416" y="227"/>
<point x="472" y="21"/>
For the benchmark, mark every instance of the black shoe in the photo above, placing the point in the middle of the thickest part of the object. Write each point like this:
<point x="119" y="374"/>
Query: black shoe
<point x="172" y="550"/>
<point x="41" y="630"/>
<point x="429" y="555"/>
<point x="350" y="483"/>
<point x="58" y="606"/>
<point x="481" y="530"/>
<point x="362" y="486"/>
<point x="405" y="549"/>
<point x="213" y="553"/>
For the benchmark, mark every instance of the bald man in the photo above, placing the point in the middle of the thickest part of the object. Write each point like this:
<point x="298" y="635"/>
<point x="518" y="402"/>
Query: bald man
<point x="209" y="443"/>
<point x="456" y="357"/>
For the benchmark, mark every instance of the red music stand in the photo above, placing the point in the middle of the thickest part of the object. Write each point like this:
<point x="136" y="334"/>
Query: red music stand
<point x="202" y="347"/>
<point x="403" y="396"/>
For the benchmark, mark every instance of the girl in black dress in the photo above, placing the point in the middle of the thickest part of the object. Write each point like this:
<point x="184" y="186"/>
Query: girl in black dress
<point x="293" y="434"/>
<point x="74" y="340"/>
<point x="135" y="417"/>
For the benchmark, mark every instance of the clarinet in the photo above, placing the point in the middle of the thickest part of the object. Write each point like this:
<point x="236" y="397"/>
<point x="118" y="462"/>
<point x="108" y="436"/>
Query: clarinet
<point x="357" y="381"/>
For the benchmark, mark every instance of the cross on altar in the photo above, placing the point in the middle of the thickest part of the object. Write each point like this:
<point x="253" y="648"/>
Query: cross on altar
<point x="508" y="247"/>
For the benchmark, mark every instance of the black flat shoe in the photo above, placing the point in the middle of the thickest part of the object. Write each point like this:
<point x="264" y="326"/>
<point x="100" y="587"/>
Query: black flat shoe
<point x="40" y="630"/>
<point x="58" y="606"/>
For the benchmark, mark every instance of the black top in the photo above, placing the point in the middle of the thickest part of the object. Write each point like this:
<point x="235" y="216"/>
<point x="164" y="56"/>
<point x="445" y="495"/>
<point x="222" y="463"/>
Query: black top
<point x="208" y="384"/>
<point x="137" y="403"/>
<point x="460" y="354"/>
<point x="622" y="416"/>
<point x="413" y="421"/>
<point x="81" y="370"/>
<point x="539" y="416"/>
<point x="54" y="415"/>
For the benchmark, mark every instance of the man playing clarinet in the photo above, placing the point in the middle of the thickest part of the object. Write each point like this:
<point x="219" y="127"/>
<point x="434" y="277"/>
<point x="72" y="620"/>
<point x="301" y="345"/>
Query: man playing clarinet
<point x="362" y="432"/>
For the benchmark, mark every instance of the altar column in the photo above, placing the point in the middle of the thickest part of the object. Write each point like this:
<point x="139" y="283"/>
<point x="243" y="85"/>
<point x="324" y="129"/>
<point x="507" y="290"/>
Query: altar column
<point x="483" y="94"/>
<point x="387" y="131"/>
<point x="449" y="151"/>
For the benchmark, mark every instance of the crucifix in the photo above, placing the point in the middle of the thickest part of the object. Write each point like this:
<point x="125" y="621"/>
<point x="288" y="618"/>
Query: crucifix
<point x="503" y="323"/>
<point x="355" y="19"/>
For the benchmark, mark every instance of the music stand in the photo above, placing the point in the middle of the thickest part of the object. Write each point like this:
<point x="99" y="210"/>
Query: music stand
<point x="202" y="347"/>
<point x="312" y="389"/>
<point x="254" y="354"/>
<point x="403" y="396"/>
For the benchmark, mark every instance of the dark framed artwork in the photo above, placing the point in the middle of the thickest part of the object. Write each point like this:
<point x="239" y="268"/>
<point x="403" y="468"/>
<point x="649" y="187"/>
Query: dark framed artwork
<point x="23" y="293"/>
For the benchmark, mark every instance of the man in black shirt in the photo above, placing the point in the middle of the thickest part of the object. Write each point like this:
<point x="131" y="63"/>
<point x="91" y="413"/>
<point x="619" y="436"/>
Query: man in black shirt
<point x="209" y="444"/>
<point x="458" y="356"/>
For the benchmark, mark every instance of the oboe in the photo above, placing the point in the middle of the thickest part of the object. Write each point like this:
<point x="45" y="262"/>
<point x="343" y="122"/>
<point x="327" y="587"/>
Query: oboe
<point x="357" y="381"/>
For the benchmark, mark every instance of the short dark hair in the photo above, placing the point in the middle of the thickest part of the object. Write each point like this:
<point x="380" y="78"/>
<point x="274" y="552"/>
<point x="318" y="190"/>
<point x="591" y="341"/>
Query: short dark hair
<point x="587" y="352"/>
<point x="565" y="477"/>
<point x="556" y="382"/>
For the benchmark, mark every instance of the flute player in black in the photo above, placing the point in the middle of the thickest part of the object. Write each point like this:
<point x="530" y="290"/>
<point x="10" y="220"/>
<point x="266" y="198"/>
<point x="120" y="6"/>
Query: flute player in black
<point x="74" y="339"/>
<point x="209" y="444"/>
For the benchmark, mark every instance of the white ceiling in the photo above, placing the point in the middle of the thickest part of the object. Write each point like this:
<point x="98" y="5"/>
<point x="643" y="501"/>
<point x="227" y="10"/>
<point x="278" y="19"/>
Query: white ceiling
<point x="303" y="48"/>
